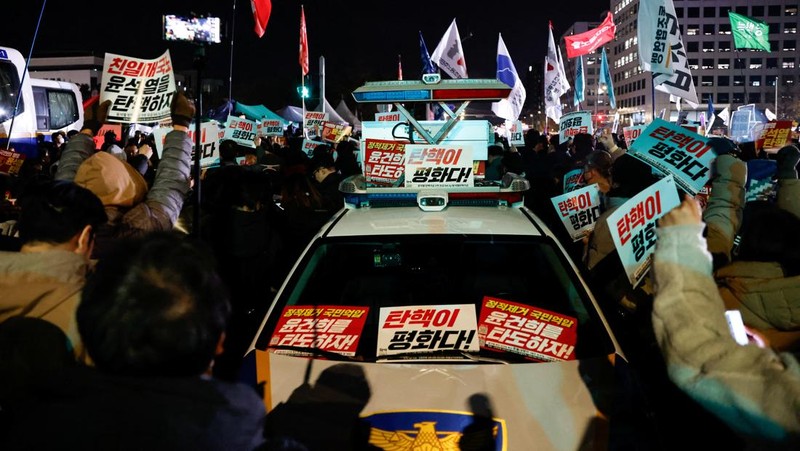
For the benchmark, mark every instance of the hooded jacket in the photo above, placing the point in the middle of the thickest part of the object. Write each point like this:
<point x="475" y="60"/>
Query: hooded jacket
<point x="132" y="209"/>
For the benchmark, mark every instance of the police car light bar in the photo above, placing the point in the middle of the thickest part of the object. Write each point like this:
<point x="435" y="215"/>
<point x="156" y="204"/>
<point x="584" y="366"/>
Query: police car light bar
<point x="442" y="91"/>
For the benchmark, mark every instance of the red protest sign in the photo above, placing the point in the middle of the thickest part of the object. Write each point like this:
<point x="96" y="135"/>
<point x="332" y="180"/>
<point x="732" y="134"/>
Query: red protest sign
<point x="327" y="327"/>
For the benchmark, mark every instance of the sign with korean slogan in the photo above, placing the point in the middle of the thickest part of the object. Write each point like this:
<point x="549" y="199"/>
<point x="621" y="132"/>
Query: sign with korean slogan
<point x="530" y="331"/>
<point x="579" y="210"/>
<point x="384" y="162"/>
<point x="326" y="327"/>
<point x="99" y="138"/>
<point x="335" y="133"/>
<point x="241" y="131"/>
<point x="633" y="226"/>
<point x="671" y="149"/>
<point x="426" y="329"/>
<point x="631" y="133"/>
<point x="309" y="145"/>
<point x="774" y="135"/>
<point x="444" y="165"/>
<point x="391" y="116"/>
<point x="515" y="134"/>
<point x="10" y="161"/>
<point x="573" y="180"/>
<point x="140" y="90"/>
<point x="314" y="120"/>
<point x="573" y="123"/>
<point x="210" y="134"/>
<point x="270" y="127"/>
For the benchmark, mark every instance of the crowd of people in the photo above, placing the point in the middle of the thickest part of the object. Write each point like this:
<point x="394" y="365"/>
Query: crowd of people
<point x="123" y="325"/>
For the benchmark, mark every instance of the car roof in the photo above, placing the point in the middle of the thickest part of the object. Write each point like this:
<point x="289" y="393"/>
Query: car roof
<point x="451" y="220"/>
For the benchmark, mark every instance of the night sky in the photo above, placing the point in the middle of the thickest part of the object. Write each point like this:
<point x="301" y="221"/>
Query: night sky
<point x="360" y="40"/>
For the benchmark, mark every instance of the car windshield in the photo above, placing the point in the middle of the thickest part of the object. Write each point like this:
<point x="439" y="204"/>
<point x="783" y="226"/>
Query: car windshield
<point x="522" y="275"/>
<point x="9" y="88"/>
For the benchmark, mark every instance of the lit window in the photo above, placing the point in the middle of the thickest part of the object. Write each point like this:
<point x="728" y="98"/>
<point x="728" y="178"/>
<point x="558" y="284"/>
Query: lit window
<point x="692" y="30"/>
<point x="755" y="63"/>
<point x="791" y="10"/>
<point x="789" y="45"/>
<point x="788" y="63"/>
<point x="790" y="28"/>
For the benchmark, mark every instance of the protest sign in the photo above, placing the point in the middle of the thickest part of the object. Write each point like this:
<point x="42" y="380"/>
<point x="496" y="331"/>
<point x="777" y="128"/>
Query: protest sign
<point x="530" y="331"/>
<point x="309" y="145"/>
<point x="269" y="127"/>
<point x="326" y="327"/>
<point x="427" y="328"/>
<point x="384" y="162"/>
<point x="633" y="226"/>
<point x="438" y="165"/>
<point x="671" y="149"/>
<point x="573" y="180"/>
<point x="516" y="135"/>
<point x="210" y="135"/>
<point x="391" y="116"/>
<point x="578" y="210"/>
<point x="574" y="123"/>
<point x="99" y="138"/>
<point x="241" y="131"/>
<point x="774" y="135"/>
<point x="10" y="161"/>
<point x="314" y="120"/>
<point x="140" y="90"/>
<point x="632" y="132"/>
<point x="335" y="133"/>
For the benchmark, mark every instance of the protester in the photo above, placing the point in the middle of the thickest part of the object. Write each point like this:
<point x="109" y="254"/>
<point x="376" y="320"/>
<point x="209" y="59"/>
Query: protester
<point x="327" y="179"/>
<point x="751" y="389"/>
<point x="152" y="318"/>
<point x="132" y="208"/>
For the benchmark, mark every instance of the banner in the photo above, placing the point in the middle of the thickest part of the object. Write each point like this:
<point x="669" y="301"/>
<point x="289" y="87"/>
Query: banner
<point x="631" y="133"/>
<point x="633" y="226"/>
<point x="589" y="41"/>
<point x="605" y="78"/>
<point x="671" y="149"/>
<point x="426" y="329"/>
<point x="241" y="131"/>
<point x="331" y="328"/>
<point x="438" y="166"/>
<point x="335" y="133"/>
<point x="749" y="33"/>
<point x="580" y="83"/>
<point x="574" y="123"/>
<point x="303" y="57"/>
<point x="578" y="210"/>
<point x="652" y="30"/>
<point x="140" y="90"/>
<point x="679" y="82"/>
<point x="553" y="82"/>
<point x="530" y="331"/>
<point x="384" y="162"/>
<point x="449" y="55"/>
<point x="210" y="135"/>
<point x="510" y="107"/>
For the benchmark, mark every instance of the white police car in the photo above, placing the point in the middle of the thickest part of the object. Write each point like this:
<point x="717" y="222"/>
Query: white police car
<point x="443" y="297"/>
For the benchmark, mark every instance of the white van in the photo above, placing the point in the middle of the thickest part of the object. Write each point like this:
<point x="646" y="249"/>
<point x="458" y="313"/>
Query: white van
<point x="46" y="106"/>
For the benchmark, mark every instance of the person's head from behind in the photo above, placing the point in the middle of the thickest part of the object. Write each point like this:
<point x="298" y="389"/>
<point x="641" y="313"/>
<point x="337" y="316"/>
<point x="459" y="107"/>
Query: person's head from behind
<point x="250" y="158"/>
<point x="155" y="307"/>
<point x="630" y="176"/>
<point x="598" y="170"/>
<point x="59" y="214"/>
<point x="227" y="151"/>
<point x="110" y="137"/>
<point x="583" y="144"/>
<point x="769" y="234"/>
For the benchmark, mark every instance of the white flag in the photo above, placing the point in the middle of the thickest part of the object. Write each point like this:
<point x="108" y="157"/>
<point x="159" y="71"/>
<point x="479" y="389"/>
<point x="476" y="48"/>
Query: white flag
<point x="770" y="115"/>
<point x="449" y="55"/>
<point x="652" y="30"/>
<point x="509" y="108"/>
<point x="553" y="80"/>
<point x="680" y="82"/>
<point x="564" y="82"/>
<point x="725" y="115"/>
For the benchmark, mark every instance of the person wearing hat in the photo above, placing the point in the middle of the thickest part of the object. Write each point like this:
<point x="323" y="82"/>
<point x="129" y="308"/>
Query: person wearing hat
<point x="132" y="208"/>
<point x="323" y="171"/>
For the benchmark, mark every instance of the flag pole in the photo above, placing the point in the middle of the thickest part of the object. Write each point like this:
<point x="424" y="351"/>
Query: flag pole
<point x="230" y="69"/>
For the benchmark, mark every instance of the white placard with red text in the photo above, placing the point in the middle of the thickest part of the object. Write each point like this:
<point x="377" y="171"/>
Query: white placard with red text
<point x="313" y="121"/>
<point x="241" y="131"/>
<point x="632" y="132"/>
<point x="270" y="127"/>
<point x="579" y="210"/>
<point x="516" y="135"/>
<point x="426" y="329"/>
<point x="444" y="165"/>
<point x="672" y="149"/>
<point x="331" y="328"/>
<point x="140" y="90"/>
<point x="210" y="135"/>
<point x="309" y="145"/>
<point x="574" y="123"/>
<point x="530" y="331"/>
<point x="384" y="162"/>
<point x="633" y="226"/>
<point x="391" y="116"/>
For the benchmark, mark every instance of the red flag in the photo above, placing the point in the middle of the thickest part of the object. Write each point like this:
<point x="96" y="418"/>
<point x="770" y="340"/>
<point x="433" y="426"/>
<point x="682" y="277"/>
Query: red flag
<point x="261" y="12"/>
<point x="399" y="68"/>
<point x="589" y="41"/>
<point x="303" y="42"/>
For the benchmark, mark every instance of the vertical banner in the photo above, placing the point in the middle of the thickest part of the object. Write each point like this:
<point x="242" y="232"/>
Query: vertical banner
<point x="331" y="328"/>
<point x="210" y="135"/>
<point x="679" y="82"/>
<point x="672" y="149"/>
<point x="579" y="210"/>
<point x="438" y="166"/>
<point x="573" y="123"/>
<point x="427" y="328"/>
<point x="633" y="226"/>
<point x="241" y="131"/>
<point x="140" y="90"/>
<point x="384" y="162"/>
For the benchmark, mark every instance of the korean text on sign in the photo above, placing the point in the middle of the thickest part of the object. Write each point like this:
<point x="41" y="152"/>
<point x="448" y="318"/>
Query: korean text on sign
<point x="424" y="329"/>
<point x="384" y="162"/>
<point x="210" y="134"/>
<point x="242" y="131"/>
<point x="530" y="331"/>
<point x="10" y="162"/>
<point x="330" y="328"/>
<point x="671" y="149"/>
<point x="139" y="90"/>
<point x="429" y="166"/>
<point x="633" y="226"/>
<point x="579" y="210"/>
<point x="574" y="123"/>
<point x="335" y="132"/>
<point x="270" y="128"/>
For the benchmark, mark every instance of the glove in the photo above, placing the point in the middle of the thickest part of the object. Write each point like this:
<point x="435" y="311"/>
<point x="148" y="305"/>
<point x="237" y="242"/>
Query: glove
<point x="94" y="117"/>
<point x="181" y="110"/>
<point x="787" y="159"/>
<point x="724" y="146"/>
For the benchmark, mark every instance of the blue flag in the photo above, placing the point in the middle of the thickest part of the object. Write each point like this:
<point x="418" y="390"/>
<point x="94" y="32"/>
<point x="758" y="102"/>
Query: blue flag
<point x="605" y="77"/>
<point x="579" y="82"/>
<point x="427" y="64"/>
<point x="710" y="115"/>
